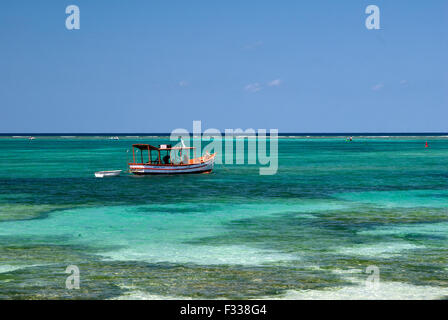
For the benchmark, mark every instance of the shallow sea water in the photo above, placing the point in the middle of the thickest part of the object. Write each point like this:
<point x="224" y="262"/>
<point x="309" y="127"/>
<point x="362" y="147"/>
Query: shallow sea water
<point x="309" y="232"/>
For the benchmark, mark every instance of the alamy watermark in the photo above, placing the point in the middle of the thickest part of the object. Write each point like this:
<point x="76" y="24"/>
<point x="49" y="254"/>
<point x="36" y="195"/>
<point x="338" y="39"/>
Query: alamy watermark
<point x="373" y="20"/>
<point x="73" y="21"/>
<point x="233" y="141"/>
<point x="373" y="280"/>
<point x="72" y="281"/>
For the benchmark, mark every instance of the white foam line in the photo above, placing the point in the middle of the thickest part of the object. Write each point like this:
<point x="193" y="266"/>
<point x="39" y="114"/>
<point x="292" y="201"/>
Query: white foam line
<point x="385" y="291"/>
<point x="9" y="268"/>
<point x="385" y="249"/>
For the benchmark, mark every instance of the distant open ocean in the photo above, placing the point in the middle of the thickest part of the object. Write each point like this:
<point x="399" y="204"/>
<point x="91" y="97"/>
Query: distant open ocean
<point x="309" y="232"/>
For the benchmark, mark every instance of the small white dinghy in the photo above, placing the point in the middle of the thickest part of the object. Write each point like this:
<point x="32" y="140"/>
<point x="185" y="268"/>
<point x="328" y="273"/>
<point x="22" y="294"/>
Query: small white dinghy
<point x="103" y="174"/>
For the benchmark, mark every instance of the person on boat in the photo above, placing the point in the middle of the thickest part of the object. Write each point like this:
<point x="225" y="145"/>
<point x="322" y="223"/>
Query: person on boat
<point x="166" y="159"/>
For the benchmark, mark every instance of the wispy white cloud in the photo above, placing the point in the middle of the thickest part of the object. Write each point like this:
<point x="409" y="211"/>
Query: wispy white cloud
<point x="275" y="83"/>
<point x="378" y="87"/>
<point x="404" y="83"/>
<point x="253" y="87"/>
<point x="183" y="83"/>
<point x="253" y="45"/>
<point x="256" y="86"/>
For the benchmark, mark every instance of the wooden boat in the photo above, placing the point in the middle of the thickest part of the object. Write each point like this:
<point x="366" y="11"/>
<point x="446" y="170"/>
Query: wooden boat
<point x="158" y="160"/>
<point x="104" y="174"/>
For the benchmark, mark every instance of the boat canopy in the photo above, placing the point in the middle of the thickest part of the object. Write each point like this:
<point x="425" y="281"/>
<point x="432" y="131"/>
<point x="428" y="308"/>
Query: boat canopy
<point x="150" y="147"/>
<point x="144" y="147"/>
<point x="179" y="156"/>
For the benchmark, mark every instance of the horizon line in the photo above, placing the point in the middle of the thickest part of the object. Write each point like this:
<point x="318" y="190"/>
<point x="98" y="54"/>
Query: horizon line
<point x="437" y="133"/>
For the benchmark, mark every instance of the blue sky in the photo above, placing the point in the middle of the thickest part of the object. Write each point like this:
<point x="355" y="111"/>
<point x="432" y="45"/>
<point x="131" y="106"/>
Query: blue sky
<point x="153" y="66"/>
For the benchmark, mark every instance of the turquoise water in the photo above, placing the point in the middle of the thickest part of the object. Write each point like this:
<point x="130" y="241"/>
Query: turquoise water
<point x="310" y="231"/>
